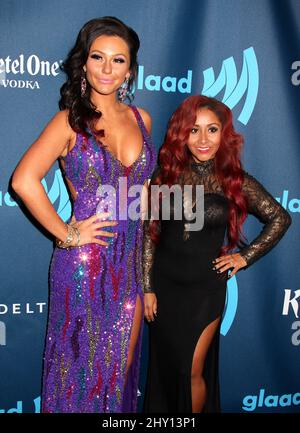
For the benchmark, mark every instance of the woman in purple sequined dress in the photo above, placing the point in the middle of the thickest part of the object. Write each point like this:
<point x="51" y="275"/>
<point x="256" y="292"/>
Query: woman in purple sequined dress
<point x="93" y="341"/>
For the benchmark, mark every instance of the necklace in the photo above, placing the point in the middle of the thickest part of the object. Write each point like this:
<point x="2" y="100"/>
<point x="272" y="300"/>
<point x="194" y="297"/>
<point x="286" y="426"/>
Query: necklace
<point x="203" y="167"/>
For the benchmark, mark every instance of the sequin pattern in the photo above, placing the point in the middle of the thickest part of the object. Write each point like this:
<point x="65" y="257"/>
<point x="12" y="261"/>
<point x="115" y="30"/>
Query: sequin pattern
<point x="93" y="293"/>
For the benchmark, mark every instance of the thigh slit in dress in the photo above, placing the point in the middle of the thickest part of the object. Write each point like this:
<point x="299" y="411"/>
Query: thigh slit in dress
<point x="190" y="296"/>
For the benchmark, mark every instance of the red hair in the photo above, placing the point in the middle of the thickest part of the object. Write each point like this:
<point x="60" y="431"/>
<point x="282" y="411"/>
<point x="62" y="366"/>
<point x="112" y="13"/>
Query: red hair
<point x="175" y="158"/>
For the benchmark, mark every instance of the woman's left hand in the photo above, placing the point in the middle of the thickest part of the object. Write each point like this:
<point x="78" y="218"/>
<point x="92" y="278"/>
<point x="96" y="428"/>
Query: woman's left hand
<point x="229" y="261"/>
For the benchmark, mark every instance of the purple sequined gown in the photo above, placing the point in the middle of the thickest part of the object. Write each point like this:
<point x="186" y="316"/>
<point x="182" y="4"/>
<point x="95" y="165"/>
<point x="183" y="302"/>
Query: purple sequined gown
<point x="93" y="292"/>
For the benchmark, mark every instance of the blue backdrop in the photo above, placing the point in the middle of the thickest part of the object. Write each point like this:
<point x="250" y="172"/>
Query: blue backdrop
<point x="244" y="52"/>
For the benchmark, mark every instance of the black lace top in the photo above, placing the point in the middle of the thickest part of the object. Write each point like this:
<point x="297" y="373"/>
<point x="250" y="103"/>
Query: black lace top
<point x="261" y="204"/>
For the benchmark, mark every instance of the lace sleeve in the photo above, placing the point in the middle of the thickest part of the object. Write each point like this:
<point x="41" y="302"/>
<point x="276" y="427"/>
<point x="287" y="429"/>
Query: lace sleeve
<point x="148" y="251"/>
<point x="267" y="210"/>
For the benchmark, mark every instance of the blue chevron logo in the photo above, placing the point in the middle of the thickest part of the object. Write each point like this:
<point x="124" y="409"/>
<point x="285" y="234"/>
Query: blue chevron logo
<point x="231" y="304"/>
<point x="235" y="89"/>
<point x="58" y="192"/>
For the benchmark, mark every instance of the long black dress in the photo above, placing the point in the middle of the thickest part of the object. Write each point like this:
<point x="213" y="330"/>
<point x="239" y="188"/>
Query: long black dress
<point x="190" y="294"/>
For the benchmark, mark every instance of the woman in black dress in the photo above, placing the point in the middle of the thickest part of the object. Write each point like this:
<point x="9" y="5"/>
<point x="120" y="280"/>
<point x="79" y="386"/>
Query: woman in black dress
<point x="186" y="272"/>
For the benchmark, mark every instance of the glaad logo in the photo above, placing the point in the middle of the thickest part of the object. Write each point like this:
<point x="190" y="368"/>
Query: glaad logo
<point x="295" y="78"/>
<point x="228" y="78"/>
<point x="234" y="89"/>
<point x="293" y="205"/>
<point x="7" y="200"/>
<point x="58" y="191"/>
<point x="19" y="408"/>
<point x="2" y="334"/>
<point x="167" y="84"/>
<point x="292" y="300"/>
<point x="252" y="402"/>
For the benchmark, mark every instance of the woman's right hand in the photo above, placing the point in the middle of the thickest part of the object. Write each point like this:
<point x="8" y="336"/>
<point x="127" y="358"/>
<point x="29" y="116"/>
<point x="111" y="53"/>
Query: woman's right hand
<point x="150" y="303"/>
<point x="91" y="227"/>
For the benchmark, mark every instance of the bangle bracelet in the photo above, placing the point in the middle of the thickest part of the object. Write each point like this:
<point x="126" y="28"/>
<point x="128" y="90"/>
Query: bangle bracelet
<point x="69" y="239"/>
<point x="77" y="232"/>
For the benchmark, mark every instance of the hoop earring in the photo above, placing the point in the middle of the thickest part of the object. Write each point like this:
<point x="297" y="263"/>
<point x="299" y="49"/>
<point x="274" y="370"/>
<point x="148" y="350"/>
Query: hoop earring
<point x="123" y="90"/>
<point x="83" y="86"/>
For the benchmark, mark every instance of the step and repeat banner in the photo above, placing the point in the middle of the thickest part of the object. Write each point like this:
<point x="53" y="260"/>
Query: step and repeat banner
<point x="243" y="52"/>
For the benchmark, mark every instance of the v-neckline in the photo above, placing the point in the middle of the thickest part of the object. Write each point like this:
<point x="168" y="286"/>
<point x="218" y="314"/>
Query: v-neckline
<point x="120" y="162"/>
<point x="105" y="147"/>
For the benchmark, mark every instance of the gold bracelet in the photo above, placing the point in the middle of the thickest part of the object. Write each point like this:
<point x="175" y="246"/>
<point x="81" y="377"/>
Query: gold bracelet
<point x="77" y="232"/>
<point x="69" y="239"/>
